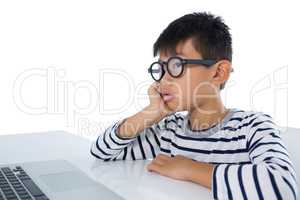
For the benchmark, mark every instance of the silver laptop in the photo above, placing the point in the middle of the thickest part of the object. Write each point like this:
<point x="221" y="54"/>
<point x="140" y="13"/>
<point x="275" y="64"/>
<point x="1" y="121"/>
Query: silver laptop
<point x="56" y="179"/>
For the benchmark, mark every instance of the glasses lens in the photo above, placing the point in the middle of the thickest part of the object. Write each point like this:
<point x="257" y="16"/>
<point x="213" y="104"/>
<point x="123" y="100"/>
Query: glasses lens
<point x="156" y="71"/>
<point x="175" y="67"/>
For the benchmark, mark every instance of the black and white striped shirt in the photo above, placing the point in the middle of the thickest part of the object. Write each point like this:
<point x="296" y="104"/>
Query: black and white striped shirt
<point x="250" y="159"/>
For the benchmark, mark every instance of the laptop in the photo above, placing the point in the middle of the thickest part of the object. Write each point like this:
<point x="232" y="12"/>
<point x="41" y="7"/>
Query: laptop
<point x="54" y="179"/>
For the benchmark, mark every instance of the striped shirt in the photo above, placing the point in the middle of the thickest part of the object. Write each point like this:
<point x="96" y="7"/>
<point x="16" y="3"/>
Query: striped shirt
<point x="250" y="159"/>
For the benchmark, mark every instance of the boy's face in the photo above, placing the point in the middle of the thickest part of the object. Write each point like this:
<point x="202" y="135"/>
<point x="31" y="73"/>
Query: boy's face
<point x="195" y="87"/>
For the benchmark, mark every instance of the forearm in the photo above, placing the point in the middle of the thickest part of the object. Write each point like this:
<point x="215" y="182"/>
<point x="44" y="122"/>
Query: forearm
<point x="138" y="122"/>
<point x="201" y="173"/>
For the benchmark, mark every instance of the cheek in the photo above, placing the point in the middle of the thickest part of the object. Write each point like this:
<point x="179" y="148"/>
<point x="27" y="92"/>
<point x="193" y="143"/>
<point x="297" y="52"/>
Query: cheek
<point x="195" y="88"/>
<point x="200" y="83"/>
<point x="184" y="93"/>
<point x="189" y="89"/>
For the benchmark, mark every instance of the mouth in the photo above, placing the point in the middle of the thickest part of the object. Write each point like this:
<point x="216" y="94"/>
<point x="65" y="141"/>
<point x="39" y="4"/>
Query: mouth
<point x="167" y="97"/>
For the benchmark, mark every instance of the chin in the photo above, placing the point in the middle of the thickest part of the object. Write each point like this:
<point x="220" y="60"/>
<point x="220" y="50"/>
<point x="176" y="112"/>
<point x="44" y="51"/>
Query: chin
<point x="174" y="106"/>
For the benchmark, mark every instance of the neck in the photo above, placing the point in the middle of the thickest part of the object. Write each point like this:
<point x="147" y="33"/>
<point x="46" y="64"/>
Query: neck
<point x="207" y="115"/>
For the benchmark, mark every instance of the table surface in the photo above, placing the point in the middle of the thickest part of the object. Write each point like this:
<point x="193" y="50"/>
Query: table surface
<point x="130" y="179"/>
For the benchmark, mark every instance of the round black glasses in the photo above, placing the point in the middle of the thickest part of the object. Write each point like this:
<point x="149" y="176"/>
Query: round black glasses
<point x="175" y="66"/>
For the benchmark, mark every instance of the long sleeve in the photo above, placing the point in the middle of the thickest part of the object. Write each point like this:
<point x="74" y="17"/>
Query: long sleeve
<point x="270" y="175"/>
<point x="146" y="145"/>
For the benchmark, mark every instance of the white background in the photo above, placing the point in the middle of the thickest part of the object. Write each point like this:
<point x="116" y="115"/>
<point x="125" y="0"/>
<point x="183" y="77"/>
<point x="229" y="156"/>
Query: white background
<point x="53" y="55"/>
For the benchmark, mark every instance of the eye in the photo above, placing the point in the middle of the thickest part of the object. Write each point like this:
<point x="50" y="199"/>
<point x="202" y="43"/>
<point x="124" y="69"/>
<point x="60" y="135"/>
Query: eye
<point x="178" y="64"/>
<point x="175" y="66"/>
<point x="156" y="71"/>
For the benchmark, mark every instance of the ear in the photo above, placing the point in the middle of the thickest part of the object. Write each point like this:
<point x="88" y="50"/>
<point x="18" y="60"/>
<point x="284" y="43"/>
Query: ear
<point x="222" y="72"/>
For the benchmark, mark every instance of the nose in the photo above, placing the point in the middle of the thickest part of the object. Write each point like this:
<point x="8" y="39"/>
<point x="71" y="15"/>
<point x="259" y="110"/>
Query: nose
<point x="166" y="77"/>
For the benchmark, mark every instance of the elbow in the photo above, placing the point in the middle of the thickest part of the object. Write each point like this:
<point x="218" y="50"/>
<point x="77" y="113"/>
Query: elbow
<point x="288" y="190"/>
<point x="287" y="186"/>
<point x="95" y="154"/>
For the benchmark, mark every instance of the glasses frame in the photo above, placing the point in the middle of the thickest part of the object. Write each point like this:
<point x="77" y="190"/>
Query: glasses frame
<point x="202" y="62"/>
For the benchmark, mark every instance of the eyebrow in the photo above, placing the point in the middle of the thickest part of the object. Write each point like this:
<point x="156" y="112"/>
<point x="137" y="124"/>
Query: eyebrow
<point x="178" y="55"/>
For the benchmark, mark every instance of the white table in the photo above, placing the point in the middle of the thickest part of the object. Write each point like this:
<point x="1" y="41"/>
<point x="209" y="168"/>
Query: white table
<point x="130" y="179"/>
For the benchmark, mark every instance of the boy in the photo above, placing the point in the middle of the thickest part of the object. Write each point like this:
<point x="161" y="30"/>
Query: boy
<point x="238" y="154"/>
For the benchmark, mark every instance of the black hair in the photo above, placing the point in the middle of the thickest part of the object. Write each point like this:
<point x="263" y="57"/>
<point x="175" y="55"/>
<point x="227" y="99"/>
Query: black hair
<point x="210" y="36"/>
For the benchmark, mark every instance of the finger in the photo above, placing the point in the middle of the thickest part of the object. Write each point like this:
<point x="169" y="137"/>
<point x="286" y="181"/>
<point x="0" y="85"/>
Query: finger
<point x="156" y="85"/>
<point x="153" y="91"/>
<point x="162" y="157"/>
<point x="152" y="167"/>
<point x="158" y="161"/>
<point x="166" y="110"/>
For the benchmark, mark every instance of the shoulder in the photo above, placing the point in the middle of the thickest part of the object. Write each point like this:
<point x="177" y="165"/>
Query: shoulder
<point x="256" y="124"/>
<point x="249" y="118"/>
<point x="262" y="123"/>
<point x="252" y="124"/>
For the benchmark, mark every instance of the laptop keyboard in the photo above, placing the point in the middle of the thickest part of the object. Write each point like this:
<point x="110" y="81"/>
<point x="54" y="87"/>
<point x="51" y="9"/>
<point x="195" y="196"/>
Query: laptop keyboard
<point x="15" y="184"/>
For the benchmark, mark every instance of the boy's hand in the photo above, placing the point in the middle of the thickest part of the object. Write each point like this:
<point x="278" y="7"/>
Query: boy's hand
<point x="182" y="168"/>
<point x="175" y="167"/>
<point x="157" y="103"/>
<point x="153" y="113"/>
